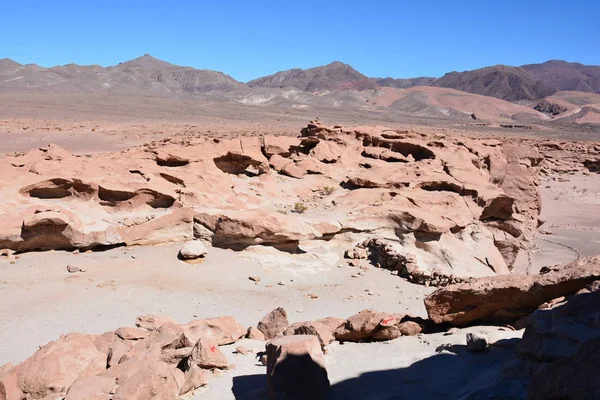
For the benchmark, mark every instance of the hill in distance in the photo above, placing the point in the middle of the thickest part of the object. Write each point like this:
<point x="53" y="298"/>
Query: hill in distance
<point x="334" y="76"/>
<point x="456" y="95"/>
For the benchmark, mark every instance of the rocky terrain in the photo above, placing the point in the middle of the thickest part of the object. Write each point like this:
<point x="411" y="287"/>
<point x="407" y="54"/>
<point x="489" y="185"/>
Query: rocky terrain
<point x="491" y="94"/>
<point x="352" y="261"/>
<point x="452" y="207"/>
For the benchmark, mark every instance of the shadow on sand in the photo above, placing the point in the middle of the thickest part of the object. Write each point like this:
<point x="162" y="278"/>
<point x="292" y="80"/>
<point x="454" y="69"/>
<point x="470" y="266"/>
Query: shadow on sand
<point x="452" y="373"/>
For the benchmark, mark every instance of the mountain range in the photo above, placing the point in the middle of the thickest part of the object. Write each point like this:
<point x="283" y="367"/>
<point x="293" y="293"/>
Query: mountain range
<point x="336" y="85"/>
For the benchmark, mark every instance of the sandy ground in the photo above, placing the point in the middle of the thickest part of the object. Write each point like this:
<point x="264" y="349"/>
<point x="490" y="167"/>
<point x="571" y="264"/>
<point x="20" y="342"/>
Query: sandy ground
<point x="571" y="209"/>
<point x="41" y="300"/>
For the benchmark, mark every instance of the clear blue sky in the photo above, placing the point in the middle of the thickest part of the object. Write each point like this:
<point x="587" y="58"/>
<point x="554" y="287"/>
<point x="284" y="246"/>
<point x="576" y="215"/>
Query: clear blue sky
<point x="247" y="39"/>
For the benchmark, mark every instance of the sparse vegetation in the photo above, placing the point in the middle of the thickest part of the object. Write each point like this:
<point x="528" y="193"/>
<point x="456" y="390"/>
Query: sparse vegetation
<point x="300" y="207"/>
<point x="327" y="190"/>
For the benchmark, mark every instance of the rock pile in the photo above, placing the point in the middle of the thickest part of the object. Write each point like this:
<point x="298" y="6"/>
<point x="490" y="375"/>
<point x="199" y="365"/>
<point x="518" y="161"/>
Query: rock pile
<point x="157" y="360"/>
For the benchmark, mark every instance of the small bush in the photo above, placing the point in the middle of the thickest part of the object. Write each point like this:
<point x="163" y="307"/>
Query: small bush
<point x="300" y="208"/>
<point x="327" y="190"/>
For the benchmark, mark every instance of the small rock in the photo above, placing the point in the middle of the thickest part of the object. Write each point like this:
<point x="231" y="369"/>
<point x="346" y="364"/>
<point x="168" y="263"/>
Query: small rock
<point x="76" y="251"/>
<point x="254" y="278"/>
<point x="477" y="342"/>
<point x="254" y="333"/>
<point x="451" y="331"/>
<point x="313" y="296"/>
<point x="72" y="269"/>
<point x="243" y="350"/>
<point x="192" y="250"/>
<point x="280" y="283"/>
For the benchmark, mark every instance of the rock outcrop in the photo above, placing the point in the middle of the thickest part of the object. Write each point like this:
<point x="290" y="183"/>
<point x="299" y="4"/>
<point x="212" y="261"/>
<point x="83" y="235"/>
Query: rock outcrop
<point x="456" y="207"/>
<point x="503" y="299"/>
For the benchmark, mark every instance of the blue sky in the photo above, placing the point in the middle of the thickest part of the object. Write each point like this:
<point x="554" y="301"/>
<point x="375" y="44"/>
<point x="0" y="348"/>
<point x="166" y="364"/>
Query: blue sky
<point x="248" y="39"/>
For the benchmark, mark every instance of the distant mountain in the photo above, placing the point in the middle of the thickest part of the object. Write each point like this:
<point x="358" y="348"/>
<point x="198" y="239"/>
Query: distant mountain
<point x="564" y="75"/>
<point x="334" y="76"/>
<point x="145" y="74"/>
<point x="405" y="83"/>
<point x="500" y="81"/>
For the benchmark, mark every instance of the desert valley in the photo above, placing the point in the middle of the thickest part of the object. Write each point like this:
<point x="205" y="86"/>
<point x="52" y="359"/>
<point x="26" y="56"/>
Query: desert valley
<point x="168" y="232"/>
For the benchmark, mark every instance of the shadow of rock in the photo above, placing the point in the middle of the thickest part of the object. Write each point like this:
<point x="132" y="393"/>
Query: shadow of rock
<point x="453" y="373"/>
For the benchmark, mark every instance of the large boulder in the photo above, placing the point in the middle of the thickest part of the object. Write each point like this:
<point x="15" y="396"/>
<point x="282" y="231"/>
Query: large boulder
<point x="56" y="365"/>
<point x="274" y="323"/>
<point x="508" y="297"/>
<point x="296" y="368"/>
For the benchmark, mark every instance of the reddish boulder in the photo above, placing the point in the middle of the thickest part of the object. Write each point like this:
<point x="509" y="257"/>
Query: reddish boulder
<point x="508" y="297"/>
<point x="206" y="354"/>
<point x="92" y="388"/>
<point x="254" y="333"/>
<point x="193" y="378"/>
<point x="361" y="326"/>
<point x="154" y="381"/>
<point x="223" y="330"/>
<point x="274" y="323"/>
<point x="56" y="365"/>
<point x="129" y="333"/>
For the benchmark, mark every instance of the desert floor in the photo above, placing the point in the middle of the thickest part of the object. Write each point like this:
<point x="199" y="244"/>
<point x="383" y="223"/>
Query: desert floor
<point x="41" y="300"/>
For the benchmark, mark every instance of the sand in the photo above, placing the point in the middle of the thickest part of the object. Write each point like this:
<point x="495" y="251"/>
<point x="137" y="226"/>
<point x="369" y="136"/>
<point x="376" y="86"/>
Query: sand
<point x="41" y="300"/>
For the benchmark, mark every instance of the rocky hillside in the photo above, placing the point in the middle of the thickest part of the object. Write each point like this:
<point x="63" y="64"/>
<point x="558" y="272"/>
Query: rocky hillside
<point x="503" y="82"/>
<point x="333" y="76"/>
<point x="143" y="75"/>
<point x="563" y="75"/>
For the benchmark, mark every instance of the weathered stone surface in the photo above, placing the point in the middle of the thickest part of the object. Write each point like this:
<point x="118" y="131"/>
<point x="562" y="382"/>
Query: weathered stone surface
<point x="192" y="250"/>
<point x="254" y="333"/>
<point x="223" y="330"/>
<point x="155" y="381"/>
<point x="129" y="333"/>
<point x="206" y="354"/>
<point x="321" y="331"/>
<point x="505" y="298"/>
<point x="194" y="378"/>
<point x="274" y="323"/>
<point x="92" y="388"/>
<point x="361" y="326"/>
<point x="152" y="321"/>
<point x="296" y="368"/>
<point x="55" y="366"/>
